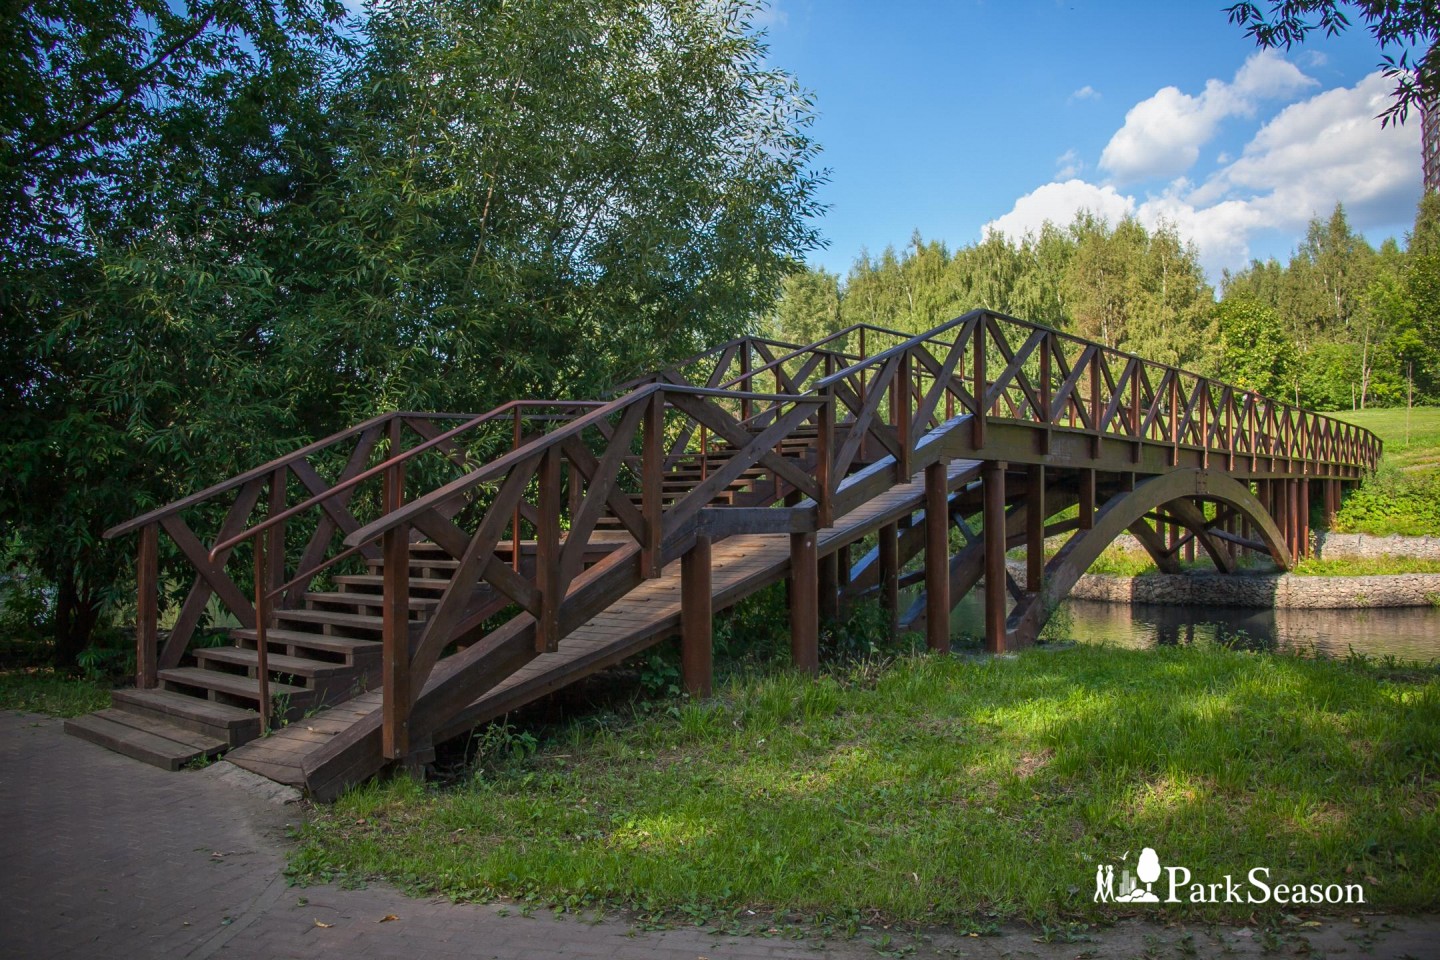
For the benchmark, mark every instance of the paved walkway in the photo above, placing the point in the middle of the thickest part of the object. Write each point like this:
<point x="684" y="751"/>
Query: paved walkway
<point x="104" y="857"/>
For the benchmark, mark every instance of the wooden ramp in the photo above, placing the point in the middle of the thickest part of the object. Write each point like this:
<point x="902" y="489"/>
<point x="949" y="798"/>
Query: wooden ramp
<point x="646" y="615"/>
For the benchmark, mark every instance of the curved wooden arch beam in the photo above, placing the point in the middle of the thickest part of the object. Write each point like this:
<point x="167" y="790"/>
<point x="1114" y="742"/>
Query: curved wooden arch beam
<point x="1154" y="545"/>
<point x="1193" y="519"/>
<point x="1116" y="516"/>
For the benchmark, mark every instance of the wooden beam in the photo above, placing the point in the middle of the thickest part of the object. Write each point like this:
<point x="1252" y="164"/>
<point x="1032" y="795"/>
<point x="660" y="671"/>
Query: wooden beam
<point x="395" y="652"/>
<point x="937" y="559"/>
<point x="829" y="586"/>
<point x="888" y="549"/>
<point x="804" y="604"/>
<point x="147" y="581"/>
<point x="993" y="478"/>
<point x="1035" y="513"/>
<point x="696" y="619"/>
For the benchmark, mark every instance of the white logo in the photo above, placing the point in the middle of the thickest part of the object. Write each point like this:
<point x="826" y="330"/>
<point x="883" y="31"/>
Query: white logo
<point x="1178" y="888"/>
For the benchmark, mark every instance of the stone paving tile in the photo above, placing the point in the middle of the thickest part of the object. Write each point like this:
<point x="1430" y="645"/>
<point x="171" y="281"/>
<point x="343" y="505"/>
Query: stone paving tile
<point x="105" y="857"/>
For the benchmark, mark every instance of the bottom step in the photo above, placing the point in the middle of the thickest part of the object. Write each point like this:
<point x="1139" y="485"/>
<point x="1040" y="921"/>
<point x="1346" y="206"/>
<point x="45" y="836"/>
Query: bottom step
<point x="141" y="738"/>
<point x="234" y="725"/>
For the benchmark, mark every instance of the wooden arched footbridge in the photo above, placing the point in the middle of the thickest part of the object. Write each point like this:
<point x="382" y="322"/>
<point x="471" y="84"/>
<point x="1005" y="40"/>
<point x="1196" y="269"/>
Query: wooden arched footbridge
<point x="420" y="573"/>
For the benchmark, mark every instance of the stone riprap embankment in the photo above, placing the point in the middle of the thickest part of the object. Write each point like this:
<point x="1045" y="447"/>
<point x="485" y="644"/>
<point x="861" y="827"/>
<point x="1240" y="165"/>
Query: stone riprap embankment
<point x="1331" y="546"/>
<point x="1263" y="590"/>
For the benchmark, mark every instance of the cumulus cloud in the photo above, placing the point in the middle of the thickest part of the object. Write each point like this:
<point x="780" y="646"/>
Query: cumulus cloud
<point x="1162" y="135"/>
<point x="1326" y="149"/>
<point x="1086" y="92"/>
<point x="1058" y="203"/>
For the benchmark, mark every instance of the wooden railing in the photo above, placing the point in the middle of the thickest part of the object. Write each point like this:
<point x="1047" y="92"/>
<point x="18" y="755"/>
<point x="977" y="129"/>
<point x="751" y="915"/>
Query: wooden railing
<point x="788" y="437"/>
<point x="327" y="508"/>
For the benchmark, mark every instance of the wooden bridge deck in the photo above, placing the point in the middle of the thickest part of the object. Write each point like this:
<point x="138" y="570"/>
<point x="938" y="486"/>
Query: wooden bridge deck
<point x="643" y="617"/>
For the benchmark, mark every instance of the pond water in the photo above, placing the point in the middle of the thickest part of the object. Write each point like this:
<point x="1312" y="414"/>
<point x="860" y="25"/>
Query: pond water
<point x="1410" y="633"/>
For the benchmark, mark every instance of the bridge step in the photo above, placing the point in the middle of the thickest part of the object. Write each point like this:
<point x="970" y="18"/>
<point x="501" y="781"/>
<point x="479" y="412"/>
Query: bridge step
<point x="352" y="651"/>
<point x="219" y="721"/>
<point x="276" y="663"/>
<point x="150" y="741"/>
<point x="362" y="601"/>
<point x="217" y="685"/>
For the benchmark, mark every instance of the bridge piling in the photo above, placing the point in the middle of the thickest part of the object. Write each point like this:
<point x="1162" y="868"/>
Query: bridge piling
<point x="992" y="477"/>
<point x="937" y="559"/>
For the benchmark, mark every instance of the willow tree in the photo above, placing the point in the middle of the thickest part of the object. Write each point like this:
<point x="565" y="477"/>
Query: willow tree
<point x="236" y="224"/>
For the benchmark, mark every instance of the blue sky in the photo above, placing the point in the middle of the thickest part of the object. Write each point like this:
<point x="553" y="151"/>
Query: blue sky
<point x="954" y="117"/>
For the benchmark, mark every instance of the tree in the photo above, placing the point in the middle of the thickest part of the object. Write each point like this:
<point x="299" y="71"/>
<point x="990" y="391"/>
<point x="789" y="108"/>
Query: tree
<point x="1407" y="27"/>
<point x="147" y="148"/>
<point x="436" y="216"/>
<point x="809" y="307"/>
<point x="1255" y="353"/>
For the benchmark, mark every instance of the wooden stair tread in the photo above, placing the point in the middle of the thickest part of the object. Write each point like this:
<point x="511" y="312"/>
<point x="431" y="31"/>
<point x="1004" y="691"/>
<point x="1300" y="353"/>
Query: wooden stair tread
<point x="133" y="742"/>
<point x="160" y="728"/>
<point x="230" y="683"/>
<point x="312" y="641"/>
<point x="179" y="707"/>
<point x="332" y="617"/>
<point x="275" y="662"/>
<point x="366" y="600"/>
<point x="378" y="582"/>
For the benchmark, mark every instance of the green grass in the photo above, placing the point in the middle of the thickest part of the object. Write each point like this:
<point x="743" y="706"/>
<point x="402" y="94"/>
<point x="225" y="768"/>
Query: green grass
<point x="938" y="789"/>
<point x="50" y="693"/>
<point x="1411" y="442"/>
<point x="1364" y="566"/>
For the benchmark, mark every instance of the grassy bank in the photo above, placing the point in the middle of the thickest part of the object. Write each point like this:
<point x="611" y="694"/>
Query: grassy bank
<point x="1404" y="495"/>
<point x="1119" y="562"/>
<point x="940" y="789"/>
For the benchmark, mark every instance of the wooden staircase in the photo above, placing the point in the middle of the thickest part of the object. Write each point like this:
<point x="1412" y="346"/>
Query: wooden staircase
<point x="319" y="654"/>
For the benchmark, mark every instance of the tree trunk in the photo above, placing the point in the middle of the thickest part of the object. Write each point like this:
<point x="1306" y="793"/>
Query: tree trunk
<point x="75" y="619"/>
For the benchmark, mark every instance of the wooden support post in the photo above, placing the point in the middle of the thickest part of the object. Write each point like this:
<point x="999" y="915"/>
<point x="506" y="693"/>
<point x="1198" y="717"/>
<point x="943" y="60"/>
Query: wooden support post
<point x="937" y="559"/>
<point x="824" y="452"/>
<point x="147" y="607"/>
<point x="888" y="549"/>
<point x="804" y="604"/>
<point x="993" y="477"/>
<point x="1304" y="486"/>
<point x="842" y="562"/>
<point x="829" y="586"/>
<point x="977" y="347"/>
<point x="515" y="519"/>
<point x="547" y="554"/>
<point x="1046" y="400"/>
<point x="1087" y="499"/>
<point x="696" y="619"/>
<point x="1331" y="489"/>
<point x="395" y="649"/>
<point x="275" y="548"/>
<point x="902" y="421"/>
<point x="1097" y="410"/>
<point x="651" y="467"/>
<point x="262" y="640"/>
<point x="1035" y="528"/>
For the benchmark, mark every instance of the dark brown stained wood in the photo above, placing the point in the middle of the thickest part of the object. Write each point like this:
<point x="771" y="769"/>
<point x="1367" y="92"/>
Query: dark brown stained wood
<point x="138" y="744"/>
<point x="828" y="586"/>
<point x="979" y="387"/>
<point x="147" y="607"/>
<point x="696" y="619"/>
<point x="804" y="604"/>
<point x="651" y="465"/>
<point x="220" y="721"/>
<point x="547" y="534"/>
<point x="937" y="559"/>
<point x="1035" y="515"/>
<point x="993" y="478"/>
<point x="395" y="674"/>
<point x="1087" y="499"/>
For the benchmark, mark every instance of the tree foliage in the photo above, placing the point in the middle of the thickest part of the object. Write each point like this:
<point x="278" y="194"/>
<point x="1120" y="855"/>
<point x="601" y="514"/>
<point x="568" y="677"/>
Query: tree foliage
<point x="235" y="225"/>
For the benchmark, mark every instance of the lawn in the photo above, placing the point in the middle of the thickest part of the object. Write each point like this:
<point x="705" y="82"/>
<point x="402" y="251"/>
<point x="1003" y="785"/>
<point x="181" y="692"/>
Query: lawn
<point x="1404" y="495"/>
<point x="1412" y="439"/>
<point x="935" y="789"/>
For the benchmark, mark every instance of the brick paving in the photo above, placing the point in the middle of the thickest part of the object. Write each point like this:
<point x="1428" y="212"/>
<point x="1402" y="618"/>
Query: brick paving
<point x="105" y="857"/>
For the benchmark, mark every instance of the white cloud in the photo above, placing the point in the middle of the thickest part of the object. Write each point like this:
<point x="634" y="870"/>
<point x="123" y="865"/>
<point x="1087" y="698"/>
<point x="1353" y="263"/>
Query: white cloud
<point x="769" y="15"/>
<point x="1162" y="135"/>
<point x="1312" y="154"/>
<point x="1058" y="203"/>
<point x="1086" y="92"/>
<point x="1068" y="164"/>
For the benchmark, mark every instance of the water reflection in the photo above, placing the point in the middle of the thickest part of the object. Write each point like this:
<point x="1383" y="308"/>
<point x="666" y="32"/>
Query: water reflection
<point x="1412" y="633"/>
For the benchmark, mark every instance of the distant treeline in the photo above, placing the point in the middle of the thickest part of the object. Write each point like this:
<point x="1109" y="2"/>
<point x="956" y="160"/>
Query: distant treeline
<point x="1341" y="326"/>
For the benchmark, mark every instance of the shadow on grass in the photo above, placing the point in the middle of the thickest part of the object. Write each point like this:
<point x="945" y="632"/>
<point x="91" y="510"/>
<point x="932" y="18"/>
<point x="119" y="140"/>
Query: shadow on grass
<point x="942" y="789"/>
